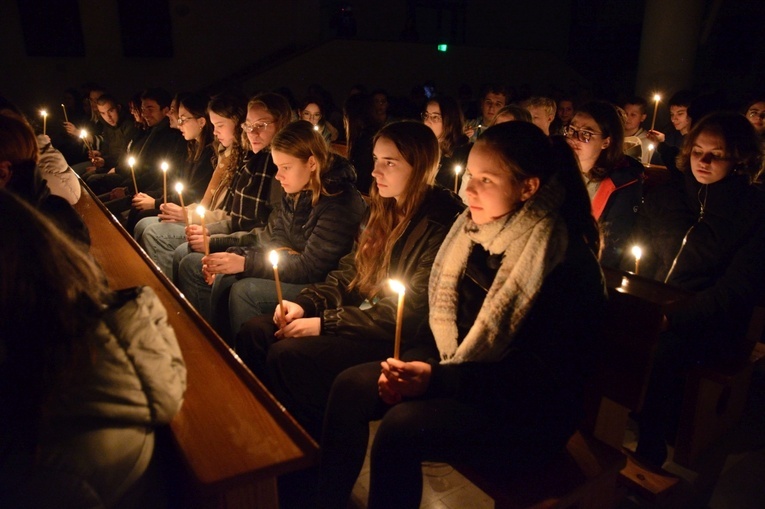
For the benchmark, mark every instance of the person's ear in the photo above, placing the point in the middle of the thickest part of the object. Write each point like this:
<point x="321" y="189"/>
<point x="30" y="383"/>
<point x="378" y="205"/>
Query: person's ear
<point x="5" y="173"/>
<point x="606" y="143"/>
<point x="312" y="164"/>
<point x="530" y="188"/>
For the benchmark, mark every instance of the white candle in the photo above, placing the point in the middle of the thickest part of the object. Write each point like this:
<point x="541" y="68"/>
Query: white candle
<point x="179" y="190"/>
<point x="637" y="253"/>
<point x="400" y="289"/>
<point x="457" y="171"/>
<point x="164" y="181"/>
<point x="656" y="99"/>
<point x="205" y="240"/>
<point x="66" y="119"/>
<point x="45" y="121"/>
<point x="131" y="163"/>
<point x="273" y="257"/>
<point x="84" y="137"/>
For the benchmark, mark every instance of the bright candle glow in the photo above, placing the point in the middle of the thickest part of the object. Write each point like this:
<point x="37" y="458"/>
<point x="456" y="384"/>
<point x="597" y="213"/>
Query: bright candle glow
<point x="397" y="287"/>
<point x="458" y="169"/>
<point x="201" y="211"/>
<point x="637" y="252"/>
<point x="316" y="128"/>
<point x="131" y="161"/>
<point x="650" y="146"/>
<point x="273" y="257"/>
<point x="83" y="134"/>
<point x="179" y="188"/>
<point x="657" y="97"/>
<point x="43" y="113"/>
<point x="164" y="166"/>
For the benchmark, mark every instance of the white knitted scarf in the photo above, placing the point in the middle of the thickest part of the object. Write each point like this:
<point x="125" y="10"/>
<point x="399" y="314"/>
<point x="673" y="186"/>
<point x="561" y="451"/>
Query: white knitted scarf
<point x="532" y="241"/>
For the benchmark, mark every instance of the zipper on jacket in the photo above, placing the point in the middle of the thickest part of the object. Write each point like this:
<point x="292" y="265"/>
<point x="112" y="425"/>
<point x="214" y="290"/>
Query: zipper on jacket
<point x="702" y="205"/>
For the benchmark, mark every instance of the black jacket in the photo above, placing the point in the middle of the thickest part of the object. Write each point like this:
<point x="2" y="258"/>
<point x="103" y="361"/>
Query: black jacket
<point x="411" y="260"/>
<point x="310" y="239"/>
<point x="722" y="260"/>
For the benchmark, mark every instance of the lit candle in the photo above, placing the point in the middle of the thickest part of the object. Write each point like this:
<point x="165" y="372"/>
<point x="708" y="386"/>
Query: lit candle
<point x="205" y="240"/>
<point x="457" y="171"/>
<point x="399" y="288"/>
<point x="45" y="121"/>
<point x="66" y="119"/>
<point x="179" y="190"/>
<point x="637" y="253"/>
<point x="656" y="99"/>
<point x="84" y="137"/>
<point x="131" y="162"/>
<point x="164" y="181"/>
<point x="316" y="127"/>
<point x="273" y="257"/>
<point x="651" y="148"/>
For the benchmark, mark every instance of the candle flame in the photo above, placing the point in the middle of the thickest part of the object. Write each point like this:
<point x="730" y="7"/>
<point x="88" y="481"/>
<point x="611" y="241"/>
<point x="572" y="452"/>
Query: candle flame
<point x="164" y="166"/>
<point x="458" y="169"/>
<point x="43" y="113"/>
<point x="178" y="187"/>
<point x="650" y="146"/>
<point x="656" y="97"/>
<point x="396" y="286"/>
<point x="273" y="257"/>
<point x="316" y="128"/>
<point x="201" y="211"/>
<point x="83" y="134"/>
<point x="131" y="161"/>
<point x="637" y="252"/>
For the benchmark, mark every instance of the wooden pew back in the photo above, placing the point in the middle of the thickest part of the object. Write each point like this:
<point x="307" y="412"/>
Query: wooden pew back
<point x="230" y="432"/>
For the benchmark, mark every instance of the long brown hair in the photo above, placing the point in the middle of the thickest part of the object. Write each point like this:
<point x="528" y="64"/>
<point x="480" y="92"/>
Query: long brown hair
<point x="388" y="217"/>
<point x="275" y="104"/>
<point x="299" y="139"/>
<point x="605" y="115"/>
<point x="452" y="122"/>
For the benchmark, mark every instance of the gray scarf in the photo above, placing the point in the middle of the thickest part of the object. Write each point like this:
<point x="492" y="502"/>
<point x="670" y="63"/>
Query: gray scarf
<point x="532" y="241"/>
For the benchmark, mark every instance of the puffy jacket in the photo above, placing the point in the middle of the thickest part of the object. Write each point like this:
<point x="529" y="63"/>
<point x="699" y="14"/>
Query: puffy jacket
<point x="721" y="261"/>
<point x="411" y="260"/>
<point x="310" y="239"/>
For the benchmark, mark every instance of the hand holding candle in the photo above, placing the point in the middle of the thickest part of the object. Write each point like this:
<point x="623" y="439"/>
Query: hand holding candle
<point x="131" y="163"/>
<point x="164" y="167"/>
<point x="457" y="171"/>
<point x="179" y="190"/>
<point x="637" y="253"/>
<point x="205" y="238"/>
<point x="656" y="99"/>
<point x="84" y="137"/>
<point x="273" y="257"/>
<point x="45" y="121"/>
<point x="400" y="289"/>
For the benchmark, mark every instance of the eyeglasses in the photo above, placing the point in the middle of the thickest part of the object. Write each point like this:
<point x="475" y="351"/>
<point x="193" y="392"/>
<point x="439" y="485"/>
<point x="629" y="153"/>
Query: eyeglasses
<point x="311" y="116"/>
<point x="257" y="126"/>
<point x="183" y="120"/>
<point x="433" y="117"/>
<point x="756" y="113"/>
<point x="579" y="134"/>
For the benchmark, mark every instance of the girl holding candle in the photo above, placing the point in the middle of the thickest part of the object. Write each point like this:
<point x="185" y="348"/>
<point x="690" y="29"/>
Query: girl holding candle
<point x="195" y="126"/>
<point x="614" y="181"/>
<point x="161" y="235"/>
<point x="515" y="293"/>
<point x="350" y="317"/>
<point x="444" y="117"/>
<point x="314" y="227"/>
<point x="705" y="234"/>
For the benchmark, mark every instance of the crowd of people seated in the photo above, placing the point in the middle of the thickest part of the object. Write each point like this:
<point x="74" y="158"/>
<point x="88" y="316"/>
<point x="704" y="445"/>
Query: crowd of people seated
<point x="497" y="227"/>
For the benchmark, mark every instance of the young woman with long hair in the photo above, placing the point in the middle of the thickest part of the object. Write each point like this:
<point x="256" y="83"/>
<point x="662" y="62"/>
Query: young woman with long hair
<point x="351" y="316"/>
<point x="498" y="373"/>
<point x="444" y="116"/>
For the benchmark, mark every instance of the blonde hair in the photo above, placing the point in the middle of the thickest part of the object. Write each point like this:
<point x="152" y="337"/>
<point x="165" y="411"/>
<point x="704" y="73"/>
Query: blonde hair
<point x="299" y="139"/>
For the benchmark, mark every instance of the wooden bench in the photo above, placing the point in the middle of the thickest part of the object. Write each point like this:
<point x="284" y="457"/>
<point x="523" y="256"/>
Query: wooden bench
<point x="231" y="436"/>
<point x="585" y="474"/>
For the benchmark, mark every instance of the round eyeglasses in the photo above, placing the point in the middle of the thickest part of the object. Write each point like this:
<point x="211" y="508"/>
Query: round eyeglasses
<point x="579" y="134"/>
<point x="257" y="126"/>
<point x="433" y="117"/>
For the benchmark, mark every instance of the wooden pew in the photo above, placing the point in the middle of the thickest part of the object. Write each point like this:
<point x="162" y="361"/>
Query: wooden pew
<point x="585" y="474"/>
<point x="231" y="436"/>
